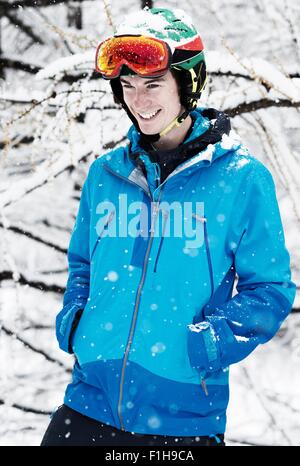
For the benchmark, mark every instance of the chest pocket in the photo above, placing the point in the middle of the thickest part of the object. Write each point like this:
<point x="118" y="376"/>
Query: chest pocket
<point x="102" y="227"/>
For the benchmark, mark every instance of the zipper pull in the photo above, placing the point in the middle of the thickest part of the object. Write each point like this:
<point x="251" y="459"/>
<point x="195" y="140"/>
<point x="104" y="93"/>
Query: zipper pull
<point x="199" y="218"/>
<point x="154" y="212"/>
<point x="157" y="174"/>
<point x="203" y="385"/>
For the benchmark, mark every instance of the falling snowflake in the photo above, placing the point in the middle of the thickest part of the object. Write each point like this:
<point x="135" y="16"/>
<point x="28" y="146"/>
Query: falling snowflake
<point x="108" y="326"/>
<point x="154" y="422"/>
<point x="158" y="348"/>
<point x="112" y="276"/>
<point x="220" y="218"/>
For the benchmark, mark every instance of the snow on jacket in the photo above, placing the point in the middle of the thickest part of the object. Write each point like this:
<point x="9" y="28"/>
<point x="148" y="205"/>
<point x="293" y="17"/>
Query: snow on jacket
<point x="160" y="326"/>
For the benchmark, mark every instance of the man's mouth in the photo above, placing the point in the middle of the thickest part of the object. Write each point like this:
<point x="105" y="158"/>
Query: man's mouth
<point x="148" y="116"/>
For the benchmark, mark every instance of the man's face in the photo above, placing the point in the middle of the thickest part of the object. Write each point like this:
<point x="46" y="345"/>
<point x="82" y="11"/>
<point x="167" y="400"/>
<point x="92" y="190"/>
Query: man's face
<point x="154" y="102"/>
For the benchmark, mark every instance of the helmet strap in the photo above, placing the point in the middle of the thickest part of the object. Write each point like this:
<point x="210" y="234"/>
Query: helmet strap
<point x="175" y="123"/>
<point x="192" y="103"/>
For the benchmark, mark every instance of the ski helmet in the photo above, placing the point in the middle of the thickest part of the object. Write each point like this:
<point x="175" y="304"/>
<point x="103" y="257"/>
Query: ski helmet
<point x="187" y="61"/>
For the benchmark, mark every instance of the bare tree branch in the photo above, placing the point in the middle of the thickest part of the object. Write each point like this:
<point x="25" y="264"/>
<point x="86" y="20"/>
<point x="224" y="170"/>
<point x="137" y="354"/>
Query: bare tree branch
<point x="12" y="17"/>
<point x="259" y="104"/>
<point x="33" y="348"/>
<point x="26" y="409"/>
<point x="5" y="6"/>
<point x="36" y="238"/>
<point x="46" y="222"/>
<point x="111" y="144"/>
<point x="8" y="275"/>
<point x="74" y="16"/>
<point x="19" y="65"/>
<point x="108" y="15"/>
<point x="242" y="442"/>
<point x="272" y="418"/>
<point x="148" y="3"/>
<point x="22" y="140"/>
<point x="289" y="18"/>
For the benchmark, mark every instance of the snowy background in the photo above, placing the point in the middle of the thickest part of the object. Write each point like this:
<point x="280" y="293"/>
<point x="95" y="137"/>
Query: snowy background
<point x="57" y="116"/>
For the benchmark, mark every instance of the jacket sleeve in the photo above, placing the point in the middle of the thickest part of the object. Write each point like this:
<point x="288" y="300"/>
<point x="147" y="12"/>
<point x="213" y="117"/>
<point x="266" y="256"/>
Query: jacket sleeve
<point x="77" y="289"/>
<point x="232" y="330"/>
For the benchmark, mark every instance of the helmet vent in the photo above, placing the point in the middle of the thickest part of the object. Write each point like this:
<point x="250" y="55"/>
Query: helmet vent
<point x="176" y="29"/>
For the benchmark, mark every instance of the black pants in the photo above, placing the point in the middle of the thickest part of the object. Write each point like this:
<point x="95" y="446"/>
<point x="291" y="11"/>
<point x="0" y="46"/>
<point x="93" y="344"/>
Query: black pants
<point x="70" y="428"/>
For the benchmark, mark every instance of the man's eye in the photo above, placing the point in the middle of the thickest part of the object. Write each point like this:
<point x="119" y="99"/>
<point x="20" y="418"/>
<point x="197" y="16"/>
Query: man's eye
<point x="152" y="86"/>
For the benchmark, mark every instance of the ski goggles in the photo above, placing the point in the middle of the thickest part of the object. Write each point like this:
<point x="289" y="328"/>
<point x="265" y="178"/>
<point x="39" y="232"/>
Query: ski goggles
<point x="146" y="56"/>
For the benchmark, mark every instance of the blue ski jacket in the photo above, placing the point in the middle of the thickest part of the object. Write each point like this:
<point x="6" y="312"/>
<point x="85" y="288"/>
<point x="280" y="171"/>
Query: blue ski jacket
<point x="149" y="308"/>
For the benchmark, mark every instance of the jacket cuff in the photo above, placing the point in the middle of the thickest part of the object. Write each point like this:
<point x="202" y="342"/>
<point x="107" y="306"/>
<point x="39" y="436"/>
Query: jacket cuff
<point x="204" y="335"/>
<point x="66" y="323"/>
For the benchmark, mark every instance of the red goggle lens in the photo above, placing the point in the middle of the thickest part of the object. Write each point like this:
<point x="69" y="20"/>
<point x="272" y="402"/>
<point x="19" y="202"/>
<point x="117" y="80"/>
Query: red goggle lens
<point x="145" y="56"/>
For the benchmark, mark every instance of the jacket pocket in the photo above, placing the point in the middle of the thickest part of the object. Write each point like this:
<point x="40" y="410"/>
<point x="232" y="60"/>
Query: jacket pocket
<point x="203" y="350"/>
<point x="109" y="218"/>
<point x="197" y="357"/>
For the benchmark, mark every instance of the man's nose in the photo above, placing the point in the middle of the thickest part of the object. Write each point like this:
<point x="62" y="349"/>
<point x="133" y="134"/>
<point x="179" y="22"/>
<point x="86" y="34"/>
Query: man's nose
<point x="140" y="98"/>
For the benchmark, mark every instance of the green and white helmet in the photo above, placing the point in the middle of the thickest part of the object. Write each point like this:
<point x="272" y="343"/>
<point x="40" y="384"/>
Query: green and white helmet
<point x="188" y="62"/>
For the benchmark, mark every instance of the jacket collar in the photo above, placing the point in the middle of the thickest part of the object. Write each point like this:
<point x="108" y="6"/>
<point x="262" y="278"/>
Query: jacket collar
<point x="209" y="140"/>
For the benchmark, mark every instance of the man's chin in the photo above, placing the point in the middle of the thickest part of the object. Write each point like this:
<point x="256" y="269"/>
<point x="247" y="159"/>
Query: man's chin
<point x="148" y="131"/>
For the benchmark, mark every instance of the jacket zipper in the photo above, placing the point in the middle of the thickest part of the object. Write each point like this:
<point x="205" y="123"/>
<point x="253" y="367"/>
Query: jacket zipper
<point x="135" y="312"/>
<point x="204" y="386"/>
<point x="109" y="219"/>
<point x="138" y="296"/>
<point x="139" y="291"/>
<point x="165" y="215"/>
<point x="126" y="179"/>
<point x="203" y="220"/>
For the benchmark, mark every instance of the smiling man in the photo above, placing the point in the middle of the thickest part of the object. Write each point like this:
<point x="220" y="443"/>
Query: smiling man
<point x="148" y="100"/>
<point x="150" y="316"/>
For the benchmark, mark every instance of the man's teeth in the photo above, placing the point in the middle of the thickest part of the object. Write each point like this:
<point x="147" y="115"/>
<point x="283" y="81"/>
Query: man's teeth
<point x="147" y="116"/>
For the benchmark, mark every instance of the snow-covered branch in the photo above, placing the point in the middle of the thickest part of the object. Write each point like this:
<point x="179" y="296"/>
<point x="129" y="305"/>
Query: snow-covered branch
<point x="260" y="71"/>
<point x="47" y="171"/>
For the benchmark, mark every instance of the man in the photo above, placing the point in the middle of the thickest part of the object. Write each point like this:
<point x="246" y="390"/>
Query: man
<point x="164" y="226"/>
